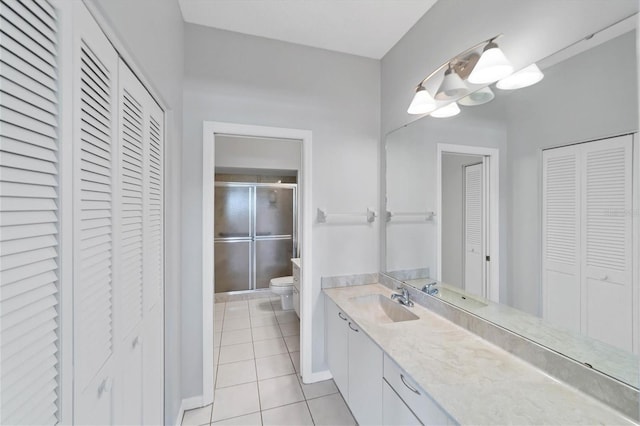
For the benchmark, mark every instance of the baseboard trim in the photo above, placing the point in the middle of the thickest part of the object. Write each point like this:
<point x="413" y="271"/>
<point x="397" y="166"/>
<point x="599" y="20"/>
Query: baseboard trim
<point x="318" y="376"/>
<point x="188" y="404"/>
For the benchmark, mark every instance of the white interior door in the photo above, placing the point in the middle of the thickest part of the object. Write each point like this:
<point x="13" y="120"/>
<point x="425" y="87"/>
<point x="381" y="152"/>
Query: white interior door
<point x="474" y="229"/>
<point x="587" y="239"/>
<point x="606" y="215"/>
<point x="561" y="237"/>
<point x="29" y="214"/>
<point x="95" y="145"/>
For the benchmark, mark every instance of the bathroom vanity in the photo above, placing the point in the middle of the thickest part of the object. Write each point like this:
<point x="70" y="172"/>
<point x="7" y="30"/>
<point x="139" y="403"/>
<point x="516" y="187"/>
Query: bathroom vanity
<point x="408" y="365"/>
<point x="296" y="272"/>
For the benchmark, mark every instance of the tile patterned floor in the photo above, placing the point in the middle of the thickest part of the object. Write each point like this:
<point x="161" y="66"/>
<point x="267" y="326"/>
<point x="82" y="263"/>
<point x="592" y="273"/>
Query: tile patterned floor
<point x="257" y="363"/>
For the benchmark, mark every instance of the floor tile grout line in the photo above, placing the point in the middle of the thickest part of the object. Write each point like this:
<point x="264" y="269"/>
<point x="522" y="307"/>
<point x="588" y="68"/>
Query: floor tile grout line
<point x="255" y="362"/>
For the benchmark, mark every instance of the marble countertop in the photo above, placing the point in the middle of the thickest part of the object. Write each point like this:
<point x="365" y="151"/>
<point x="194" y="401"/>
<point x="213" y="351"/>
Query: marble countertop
<point x="296" y="261"/>
<point x="474" y="381"/>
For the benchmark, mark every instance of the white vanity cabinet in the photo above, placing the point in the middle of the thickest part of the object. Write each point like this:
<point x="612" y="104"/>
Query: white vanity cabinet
<point x="394" y="410"/>
<point x="296" y="272"/>
<point x="356" y="364"/>
<point x="337" y="346"/>
<point x="412" y="396"/>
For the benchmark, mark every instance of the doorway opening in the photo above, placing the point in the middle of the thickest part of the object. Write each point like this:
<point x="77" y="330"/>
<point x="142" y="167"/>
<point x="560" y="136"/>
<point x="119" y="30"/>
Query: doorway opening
<point x="260" y="179"/>
<point x="467" y="231"/>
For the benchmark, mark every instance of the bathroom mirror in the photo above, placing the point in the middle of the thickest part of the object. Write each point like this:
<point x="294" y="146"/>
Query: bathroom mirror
<point x="470" y="202"/>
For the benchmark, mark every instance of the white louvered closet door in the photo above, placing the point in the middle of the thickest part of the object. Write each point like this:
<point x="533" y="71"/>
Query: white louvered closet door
<point x="29" y="219"/>
<point x="139" y="253"/>
<point x="561" y="237"/>
<point x="607" y="312"/>
<point x="95" y="143"/>
<point x="473" y="229"/>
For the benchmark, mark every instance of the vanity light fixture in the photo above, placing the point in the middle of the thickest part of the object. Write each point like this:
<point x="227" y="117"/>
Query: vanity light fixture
<point x="524" y="78"/>
<point x="492" y="66"/>
<point x="446" y="111"/>
<point x="423" y="102"/>
<point x="478" y="97"/>
<point x="452" y="86"/>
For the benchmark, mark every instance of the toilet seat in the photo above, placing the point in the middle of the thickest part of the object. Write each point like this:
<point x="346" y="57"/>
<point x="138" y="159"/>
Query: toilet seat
<point x="281" y="282"/>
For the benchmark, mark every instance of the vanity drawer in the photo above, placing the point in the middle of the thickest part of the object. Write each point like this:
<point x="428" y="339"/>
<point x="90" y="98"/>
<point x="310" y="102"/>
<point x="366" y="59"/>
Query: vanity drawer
<point x="416" y="399"/>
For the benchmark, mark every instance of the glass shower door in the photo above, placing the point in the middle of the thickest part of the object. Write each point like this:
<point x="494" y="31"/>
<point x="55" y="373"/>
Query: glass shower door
<point x="233" y="242"/>
<point x="255" y="234"/>
<point x="275" y="207"/>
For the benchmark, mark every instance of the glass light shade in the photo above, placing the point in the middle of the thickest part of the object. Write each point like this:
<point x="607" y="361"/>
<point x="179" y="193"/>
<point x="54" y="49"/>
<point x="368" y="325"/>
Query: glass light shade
<point x="492" y="66"/>
<point x="422" y="103"/>
<point x="478" y="97"/>
<point x="452" y="86"/>
<point x="525" y="77"/>
<point x="446" y="111"/>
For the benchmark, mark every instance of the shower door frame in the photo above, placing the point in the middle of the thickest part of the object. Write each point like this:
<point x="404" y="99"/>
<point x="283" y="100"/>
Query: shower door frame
<point x="253" y="238"/>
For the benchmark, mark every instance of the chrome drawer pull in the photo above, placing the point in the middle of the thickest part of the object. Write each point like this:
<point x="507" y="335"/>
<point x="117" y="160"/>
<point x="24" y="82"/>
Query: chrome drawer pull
<point x="411" y="388"/>
<point x="354" y="329"/>
<point x="342" y="317"/>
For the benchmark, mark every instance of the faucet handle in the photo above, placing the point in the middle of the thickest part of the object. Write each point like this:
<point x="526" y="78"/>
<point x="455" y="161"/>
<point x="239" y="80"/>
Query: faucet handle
<point x="427" y="288"/>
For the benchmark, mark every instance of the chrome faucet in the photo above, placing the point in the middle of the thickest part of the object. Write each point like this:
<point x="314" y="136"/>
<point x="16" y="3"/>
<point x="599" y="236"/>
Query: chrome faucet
<point x="403" y="297"/>
<point x="428" y="288"/>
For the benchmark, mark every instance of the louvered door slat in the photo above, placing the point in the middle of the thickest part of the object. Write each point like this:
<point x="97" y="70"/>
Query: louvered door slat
<point x="28" y="213"/>
<point x="8" y="87"/>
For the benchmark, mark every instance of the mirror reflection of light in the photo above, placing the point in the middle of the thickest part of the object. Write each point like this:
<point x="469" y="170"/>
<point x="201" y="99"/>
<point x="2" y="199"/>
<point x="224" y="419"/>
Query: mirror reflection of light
<point x="524" y="78"/>
<point x="478" y="97"/>
<point x="446" y="111"/>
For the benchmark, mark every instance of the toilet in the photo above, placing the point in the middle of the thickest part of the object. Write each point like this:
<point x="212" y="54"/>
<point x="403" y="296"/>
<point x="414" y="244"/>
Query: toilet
<point x="283" y="287"/>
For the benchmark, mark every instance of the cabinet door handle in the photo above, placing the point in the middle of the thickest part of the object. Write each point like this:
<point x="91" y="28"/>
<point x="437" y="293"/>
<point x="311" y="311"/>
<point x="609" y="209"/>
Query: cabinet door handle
<point x="354" y="329"/>
<point x="342" y="317"/>
<point x="411" y="388"/>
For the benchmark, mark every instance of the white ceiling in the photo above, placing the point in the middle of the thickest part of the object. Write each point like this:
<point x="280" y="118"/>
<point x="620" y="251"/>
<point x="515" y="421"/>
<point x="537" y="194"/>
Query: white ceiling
<point x="360" y="27"/>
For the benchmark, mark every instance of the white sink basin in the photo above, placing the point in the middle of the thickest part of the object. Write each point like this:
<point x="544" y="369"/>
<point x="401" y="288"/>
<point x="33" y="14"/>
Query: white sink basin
<point x="383" y="310"/>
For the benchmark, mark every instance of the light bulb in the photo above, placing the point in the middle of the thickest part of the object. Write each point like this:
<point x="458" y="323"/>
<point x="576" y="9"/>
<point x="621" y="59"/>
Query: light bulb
<point x="492" y="66"/>
<point x="422" y="103"/>
<point x="452" y="86"/>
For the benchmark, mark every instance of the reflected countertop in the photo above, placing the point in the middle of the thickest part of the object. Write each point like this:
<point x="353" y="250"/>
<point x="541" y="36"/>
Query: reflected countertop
<point x="474" y="381"/>
<point x="620" y="364"/>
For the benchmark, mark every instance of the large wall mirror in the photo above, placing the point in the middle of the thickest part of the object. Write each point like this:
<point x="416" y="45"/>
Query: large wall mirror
<point x="525" y="209"/>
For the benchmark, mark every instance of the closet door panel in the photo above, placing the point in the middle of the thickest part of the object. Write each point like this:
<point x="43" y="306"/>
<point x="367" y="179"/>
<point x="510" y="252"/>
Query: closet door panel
<point x="561" y="237"/>
<point x="131" y="188"/>
<point x="154" y="207"/>
<point x="607" y="246"/>
<point x="153" y="276"/>
<point x="473" y="229"/>
<point x="95" y="131"/>
<point x="29" y="217"/>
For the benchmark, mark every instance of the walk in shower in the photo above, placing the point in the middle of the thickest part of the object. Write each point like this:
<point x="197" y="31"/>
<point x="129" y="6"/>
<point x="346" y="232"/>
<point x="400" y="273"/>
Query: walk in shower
<point x="255" y="234"/>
